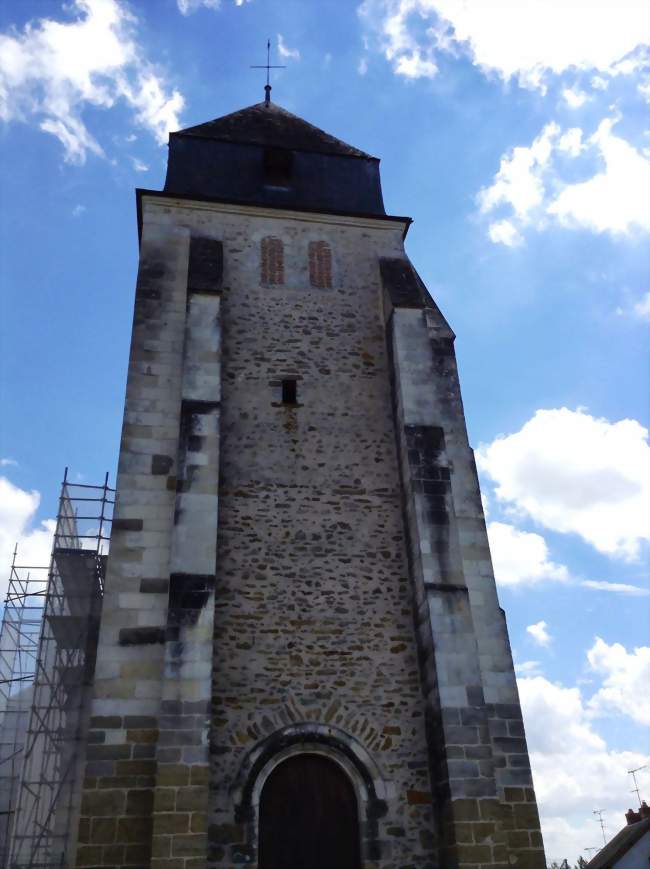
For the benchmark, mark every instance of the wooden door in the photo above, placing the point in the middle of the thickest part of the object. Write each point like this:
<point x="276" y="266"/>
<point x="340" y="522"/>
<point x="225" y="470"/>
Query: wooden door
<point x="308" y="816"/>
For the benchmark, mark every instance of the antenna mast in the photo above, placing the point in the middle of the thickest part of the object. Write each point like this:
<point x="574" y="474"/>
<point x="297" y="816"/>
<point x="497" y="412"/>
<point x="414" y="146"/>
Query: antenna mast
<point x="599" y="812"/>
<point x="635" y="789"/>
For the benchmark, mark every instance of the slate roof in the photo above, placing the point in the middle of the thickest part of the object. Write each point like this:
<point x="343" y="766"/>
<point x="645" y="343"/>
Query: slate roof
<point x="269" y="124"/>
<point x="619" y="845"/>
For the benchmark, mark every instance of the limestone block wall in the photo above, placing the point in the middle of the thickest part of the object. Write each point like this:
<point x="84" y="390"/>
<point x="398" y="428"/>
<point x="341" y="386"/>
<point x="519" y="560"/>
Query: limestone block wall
<point x="181" y="797"/>
<point x="314" y="639"/>
<point x="146" y="771"/>
<point x="479" y="756"/>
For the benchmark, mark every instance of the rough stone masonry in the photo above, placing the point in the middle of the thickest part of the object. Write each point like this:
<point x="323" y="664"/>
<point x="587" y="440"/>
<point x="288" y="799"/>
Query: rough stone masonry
<point x="299" y="561"/>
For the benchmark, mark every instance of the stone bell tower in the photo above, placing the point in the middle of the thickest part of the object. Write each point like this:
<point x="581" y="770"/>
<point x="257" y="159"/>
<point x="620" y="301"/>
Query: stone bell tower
<point x="302" y="659"/>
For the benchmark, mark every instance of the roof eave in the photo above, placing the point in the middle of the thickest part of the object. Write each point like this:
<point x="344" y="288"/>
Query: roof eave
<point x="360" y="155"/>
<point x="140" y="192"/>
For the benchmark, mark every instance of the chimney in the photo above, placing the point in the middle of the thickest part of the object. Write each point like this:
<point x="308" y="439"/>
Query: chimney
<point x="633" y="817"/>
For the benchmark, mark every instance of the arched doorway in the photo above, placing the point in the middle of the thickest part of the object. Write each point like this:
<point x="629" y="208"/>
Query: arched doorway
<point x="308" y="816"/>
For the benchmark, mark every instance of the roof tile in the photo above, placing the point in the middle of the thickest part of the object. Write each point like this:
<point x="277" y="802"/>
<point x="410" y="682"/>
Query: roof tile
<point x="269" y="124"/>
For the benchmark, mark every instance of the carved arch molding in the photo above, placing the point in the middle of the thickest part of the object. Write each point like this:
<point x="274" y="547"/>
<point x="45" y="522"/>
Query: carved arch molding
<point x="313" y="738"/>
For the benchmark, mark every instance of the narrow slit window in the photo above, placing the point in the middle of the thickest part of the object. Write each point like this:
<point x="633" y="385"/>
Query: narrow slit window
<point x="289" y="392"/>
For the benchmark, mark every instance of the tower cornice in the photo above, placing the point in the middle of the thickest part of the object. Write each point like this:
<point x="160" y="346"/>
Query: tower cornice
<point x="347" y="218"/>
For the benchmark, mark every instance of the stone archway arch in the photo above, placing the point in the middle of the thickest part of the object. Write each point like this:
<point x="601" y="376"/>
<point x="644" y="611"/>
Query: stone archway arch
<point x="320" y="739"/>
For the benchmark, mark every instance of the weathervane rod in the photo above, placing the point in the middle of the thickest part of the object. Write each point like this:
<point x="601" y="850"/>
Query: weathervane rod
<point x="268" y="67"/>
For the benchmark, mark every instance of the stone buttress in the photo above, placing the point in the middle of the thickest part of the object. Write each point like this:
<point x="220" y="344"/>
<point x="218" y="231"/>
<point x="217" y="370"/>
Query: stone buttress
<point x="145" y="789"/>
<point x="480" y="767"/>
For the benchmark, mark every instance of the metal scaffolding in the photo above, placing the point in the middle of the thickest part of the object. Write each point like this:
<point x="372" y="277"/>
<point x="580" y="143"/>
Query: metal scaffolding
<point x="19" y="636"/>
<point x="48" y="645"/>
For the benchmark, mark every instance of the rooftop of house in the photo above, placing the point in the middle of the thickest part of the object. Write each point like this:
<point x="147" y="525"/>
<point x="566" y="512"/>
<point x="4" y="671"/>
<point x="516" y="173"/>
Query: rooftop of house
<point x="638" y="824"/>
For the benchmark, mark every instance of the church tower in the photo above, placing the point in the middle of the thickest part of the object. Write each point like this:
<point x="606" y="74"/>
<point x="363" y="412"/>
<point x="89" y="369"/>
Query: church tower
<point x="302" y="660"/>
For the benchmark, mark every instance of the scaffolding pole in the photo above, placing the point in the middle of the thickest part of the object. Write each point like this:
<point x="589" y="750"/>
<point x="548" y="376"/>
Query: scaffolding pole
<point x="48" y="645"/>
<point x="19" y="636"/>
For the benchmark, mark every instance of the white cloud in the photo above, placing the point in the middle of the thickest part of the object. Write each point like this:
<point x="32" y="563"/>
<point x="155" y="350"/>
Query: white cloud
<point x="639" y="310"/>
<point x="571" y="142"/>
<point x="74" y="137"/>
<point x="52" y="70"/>
<point x="615" y="587"/>
<point x="78" y="210"/>
<point x="642" y="307"/>
<point x="615" y="199"/>
<point x="540" y="634"/>
<point x="528" y="668"/>
<point x="518" y="182"/>
<point x="599" y="83"/>
<point x="138" y="165"/>
<point x="574" y="97"/>
<point x="362" y="67"/>
<point x="155" y="110"/>
<point x="520" y="557"/>
<point x="284" y="50"/>
<point x="505" y="232"/>
<point x="6" y="463"/>
<point x="575" y="473"/>
<point x="530" y="184"/>
<point x="626" y="681"/>
<point x="415" y="65"/>
<point x="17" y="514"/>
<point x="186" y="7"/>
<point x="633" y="63"/>
<point x="573" y="768"/>
<point x="523" y="40"/>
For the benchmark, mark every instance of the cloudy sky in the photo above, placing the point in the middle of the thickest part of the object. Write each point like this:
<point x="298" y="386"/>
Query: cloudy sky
<point x="514" y="132"/>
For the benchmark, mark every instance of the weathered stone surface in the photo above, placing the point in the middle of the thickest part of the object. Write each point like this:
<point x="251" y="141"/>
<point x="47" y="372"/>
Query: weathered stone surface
<point x="161" y="464"/>
<point x="205" y="268"/>
<point x="127" y="524"/>
<point x="328" y="554"/>
<point x="142" y="636"/>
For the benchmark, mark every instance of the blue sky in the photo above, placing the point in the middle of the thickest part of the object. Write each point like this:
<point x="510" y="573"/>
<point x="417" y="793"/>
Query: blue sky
<point x="515" y="134"/>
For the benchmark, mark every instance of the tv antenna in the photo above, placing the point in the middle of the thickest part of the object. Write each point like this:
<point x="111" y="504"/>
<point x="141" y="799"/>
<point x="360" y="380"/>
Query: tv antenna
<point x="635" y="789"/>
<point x="599" y="812"/>
<point x="268" y="66"/>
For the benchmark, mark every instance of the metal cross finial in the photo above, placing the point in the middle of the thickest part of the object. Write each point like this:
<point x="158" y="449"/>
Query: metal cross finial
<point x="268" y="66"/>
